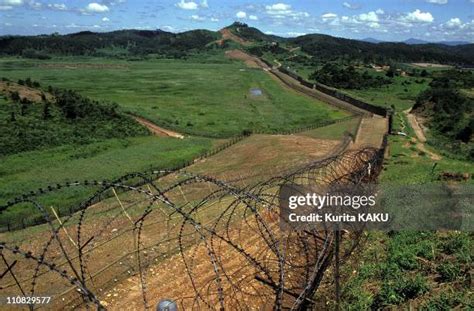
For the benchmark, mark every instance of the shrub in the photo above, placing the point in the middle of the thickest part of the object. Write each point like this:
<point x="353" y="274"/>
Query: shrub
<point x="448" y="271"/>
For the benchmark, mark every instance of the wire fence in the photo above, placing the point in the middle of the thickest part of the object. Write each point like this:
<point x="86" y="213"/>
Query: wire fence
<point x="203" y="242"/>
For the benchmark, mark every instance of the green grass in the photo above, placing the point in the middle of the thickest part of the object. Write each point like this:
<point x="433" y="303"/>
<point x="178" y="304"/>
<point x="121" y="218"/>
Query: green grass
<point x="419" y="269"/>
<point x="98" y="161"/>
<point x="200" y="96"/>
<point x="401" y="93"/>
<point x="406" y="166"/>
<point x="333" y="131"/>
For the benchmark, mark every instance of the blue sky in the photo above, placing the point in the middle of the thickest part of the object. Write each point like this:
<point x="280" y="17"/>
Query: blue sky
<point x="432" y="20"/>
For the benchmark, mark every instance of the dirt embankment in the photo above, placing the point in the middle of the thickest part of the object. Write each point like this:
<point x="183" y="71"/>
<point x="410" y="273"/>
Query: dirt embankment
<point x="228" y="35"/>
<point x="156" y="130"/>
<point x="250" y="61"/>
<point x="32" y="94"/>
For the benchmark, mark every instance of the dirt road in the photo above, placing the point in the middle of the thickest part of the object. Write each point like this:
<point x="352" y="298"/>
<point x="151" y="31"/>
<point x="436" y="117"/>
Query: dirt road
<point x="158" y="131"/>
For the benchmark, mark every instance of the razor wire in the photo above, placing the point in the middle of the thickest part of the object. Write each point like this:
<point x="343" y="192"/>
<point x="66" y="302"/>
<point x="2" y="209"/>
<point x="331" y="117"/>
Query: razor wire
<point x="223" y="238"/>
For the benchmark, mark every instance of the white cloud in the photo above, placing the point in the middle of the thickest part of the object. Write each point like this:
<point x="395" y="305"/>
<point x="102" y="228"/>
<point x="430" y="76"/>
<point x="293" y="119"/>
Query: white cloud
<point x="204" y="4"/>
<point x="369" y="17"/>
<point x="284" y="11"/>
<point x="168" y="28"/>
<point x="105" y="19"/>
<point x="214" y="19"/>
<point x="198" y="18"/>
<point x="418" y="16"/>
<point x="295" y="34"/>
<point x="241" y="15"/>
<point x="57" y="6"/>
<point x="351" y="6"/>
<point x="5" y="7"/>
<point x="253" y="17"/>
<point x="95" y="7"/>
<point x="454" y="23"/>
<point x="11" y="2"/>
<point x="438" y="1"/>
<point x="187" y="5"/>
<point x="380" y="11"/>
<point x="328" y="16"/>
<point x="278" y="7"/>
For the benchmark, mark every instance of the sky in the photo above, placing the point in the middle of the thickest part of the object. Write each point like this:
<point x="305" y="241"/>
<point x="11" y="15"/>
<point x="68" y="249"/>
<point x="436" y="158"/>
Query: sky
<point x="388" y="20"/>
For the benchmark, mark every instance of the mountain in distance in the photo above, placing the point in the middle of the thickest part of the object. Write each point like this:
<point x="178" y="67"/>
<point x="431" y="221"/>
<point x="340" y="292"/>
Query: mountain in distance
<point x="414" y="41"/>
<point x="450" y="43"/>
<point x="371" y="40"/>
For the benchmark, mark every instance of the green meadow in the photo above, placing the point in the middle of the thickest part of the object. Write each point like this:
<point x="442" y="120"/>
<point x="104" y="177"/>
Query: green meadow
<point x="198" y="96"/>
<point x="109" y="159"/>
<point x="401" y="93"/>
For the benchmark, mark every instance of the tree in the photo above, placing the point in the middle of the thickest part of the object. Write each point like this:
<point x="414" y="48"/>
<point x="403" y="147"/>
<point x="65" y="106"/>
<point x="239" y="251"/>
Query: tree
<point x="15" y="96"/>
<point x="46" y="111"/>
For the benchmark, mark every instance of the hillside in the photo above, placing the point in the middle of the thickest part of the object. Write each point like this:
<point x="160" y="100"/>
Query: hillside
<point x="175" y="45"/>
<point x="331" y="48"/>
<point x="122" y="42"/>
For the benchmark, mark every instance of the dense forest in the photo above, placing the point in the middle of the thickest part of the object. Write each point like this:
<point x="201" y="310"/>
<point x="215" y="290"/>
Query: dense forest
<point x="70" y="119"/>
<point x="122" y="42"/>
<point x="330" y="48"/>
<point x="347" y="77"/>
<point x="450" y="113"/>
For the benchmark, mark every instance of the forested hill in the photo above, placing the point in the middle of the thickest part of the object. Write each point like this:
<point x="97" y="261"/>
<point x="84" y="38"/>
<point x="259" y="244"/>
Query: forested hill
<point x="142" y="42"/>
<point x="328" y="47"/>
<point x="122" y="42"/>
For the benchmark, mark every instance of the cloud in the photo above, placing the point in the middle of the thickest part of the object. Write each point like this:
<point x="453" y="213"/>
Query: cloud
<point x="454" y="23"/>
<point x="187" y="5"/>
<point x="11" y="2"/>
<point x="57" y="6"/>
<point x="168" y="28"/>
<point x="380" y="11"/>
<point x="278" y="7"/>
<point x="369" y="17"/>
<point x="214" y="19"/>
<point x="204" y="4"/>
<point x="253" y="17"/>
<point x="351" y="6"/>
<point x="5" y="7"/>
<point x="241" y="15"/>
<point x="295" y="34"/>
<point x="418" y="17"/>
<point x="95" y="7"/>
<point x="198" y="18"/>
<point x="438" y="1"/>
<point x="284" y="11"/>
<point x="328" y="16"/>
<point x="105" y="19"/>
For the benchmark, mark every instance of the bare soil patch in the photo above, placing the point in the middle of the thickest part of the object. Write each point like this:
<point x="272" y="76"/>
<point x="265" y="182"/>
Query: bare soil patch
<point x="371" y="132"/>
<point x="228" y="35"/>
<point x="250" y="61"/>
<point x="24" y="91"/>
<point x="431" y="65"/>
<point x="157" y="130"/>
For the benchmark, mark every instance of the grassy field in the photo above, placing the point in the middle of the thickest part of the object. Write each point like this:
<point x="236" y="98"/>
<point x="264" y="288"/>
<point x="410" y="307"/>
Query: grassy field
<point x="98" y="161"/>
<point x="196" y="96"/>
